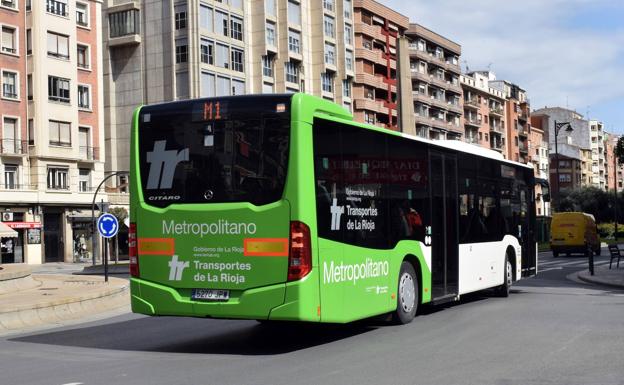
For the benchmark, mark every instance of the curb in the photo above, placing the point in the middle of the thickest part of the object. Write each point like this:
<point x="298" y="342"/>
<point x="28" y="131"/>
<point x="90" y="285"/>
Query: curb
<point x="73" y="307"/>
<point x="584" y="276"/>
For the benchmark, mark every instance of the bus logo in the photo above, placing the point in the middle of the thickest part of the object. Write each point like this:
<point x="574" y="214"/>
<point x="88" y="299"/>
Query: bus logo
<point x="336" y="213"/>
<point x="176" y="268"/>
<point x="163" y="162"/>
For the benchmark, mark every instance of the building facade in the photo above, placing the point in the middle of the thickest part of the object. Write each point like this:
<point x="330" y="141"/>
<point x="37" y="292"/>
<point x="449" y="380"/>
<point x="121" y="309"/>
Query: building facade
<point x="52" y="125"/>
<point x="379" y="31"/>
<point x="484" y="111"/>
<point x="436" y="90"/>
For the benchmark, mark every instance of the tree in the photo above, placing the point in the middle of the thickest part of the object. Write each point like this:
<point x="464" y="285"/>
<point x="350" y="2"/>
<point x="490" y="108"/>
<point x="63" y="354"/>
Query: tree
<point x="619" y="150"/>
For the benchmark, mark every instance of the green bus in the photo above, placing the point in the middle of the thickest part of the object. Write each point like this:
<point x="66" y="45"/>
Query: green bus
<point x="281" y="207"/>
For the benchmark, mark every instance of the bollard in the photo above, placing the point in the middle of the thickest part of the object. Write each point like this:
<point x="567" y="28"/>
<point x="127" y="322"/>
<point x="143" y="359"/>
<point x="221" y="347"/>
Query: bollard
<point x="591" y="260"/>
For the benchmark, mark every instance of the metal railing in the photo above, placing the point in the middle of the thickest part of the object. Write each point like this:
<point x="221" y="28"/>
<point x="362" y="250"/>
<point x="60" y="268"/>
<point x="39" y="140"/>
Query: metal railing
<point x="9" y="91"/>
<point x="57" y="7"/>
<point x="13" y="146"/>
<point x="15" y="186"/>
<point x="88" y="153"/>
<point x="9" y="3"/>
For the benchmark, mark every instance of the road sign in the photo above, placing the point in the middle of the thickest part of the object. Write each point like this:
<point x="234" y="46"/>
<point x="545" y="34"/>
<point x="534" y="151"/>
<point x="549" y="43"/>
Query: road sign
<point x="107" y="225"/>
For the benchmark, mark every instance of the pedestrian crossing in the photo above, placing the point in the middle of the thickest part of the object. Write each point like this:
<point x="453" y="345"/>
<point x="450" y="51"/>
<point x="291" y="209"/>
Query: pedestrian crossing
<point x="561" y="263"/>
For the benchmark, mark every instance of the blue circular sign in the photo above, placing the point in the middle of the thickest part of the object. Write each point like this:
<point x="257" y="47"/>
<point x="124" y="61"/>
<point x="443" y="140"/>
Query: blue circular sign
<point x="107" y="225"/>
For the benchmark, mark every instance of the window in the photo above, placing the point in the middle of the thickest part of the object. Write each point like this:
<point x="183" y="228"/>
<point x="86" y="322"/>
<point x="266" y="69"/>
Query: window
<point x="84" y="97"/>
<point x="349" y="60"/>
<point x="207" y="84"/>
<point x="29" y="87"/>
<point x="10" y="176"/>
<point x="28" y="5"/>
<point x="205" y="17"/>
<point x="59" y="133"/>
<point x="236" y="27"/>
<point x="369" y="117"/>
<point x="347" y="9"/>
<point x="31" y="132"/>
<point x="222" y="23"/>
<point x="294" y="12"/>
<point x="238" y="87"/>
<point x="223" y="56"/>
<point x="83" y="56"/>
<point x="207" y="51"/>
<point x="58" y="45"/>
<point x="84" y="179"/>
<point x="348" y="38"/>
<point x="181" y="51"/>
<point x="9" y="85"/>
<point x="236" y="4"/>
<point x="327" y="82"/>
<point x="124" y="23"/>
<point x="267" y="66"/>
<point x="328" y="25"/>
<point x="267" y="88"/>
<point x="182" y="85"/>
<point x="82" y="16"/>
<point x="237" y="60"/>
<point x="57" y="7"/>
<point x="9" y="3"/>
<point x="58" y="89"/>
<point x="294" y="41"/>
<point x="330" y="54"/>
<point x="328" y="5"/>
<point x="292" y="72"/>
<point x="10" y="144"/>
<point x="346" y="88"/>
<point x="269" y="8"/>
<point x="57" y="178"/>
<point x="8" y="40"/>
<point x="223" y="86"/>
<point x="180" y="17"/>
<point x="270" y="34"/>
<point x="28" y="42"/>
<point x="85" y="150"/>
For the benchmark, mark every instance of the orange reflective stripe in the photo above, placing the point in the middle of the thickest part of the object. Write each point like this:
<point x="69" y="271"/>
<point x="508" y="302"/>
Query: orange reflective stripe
<point x="266" y="247"/>
<point x="156" y="246"/>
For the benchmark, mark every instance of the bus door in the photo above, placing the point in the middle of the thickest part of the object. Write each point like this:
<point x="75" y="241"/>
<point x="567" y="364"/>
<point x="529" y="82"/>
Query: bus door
<point x="526" y="230"/>
<point x="444" y="233"/>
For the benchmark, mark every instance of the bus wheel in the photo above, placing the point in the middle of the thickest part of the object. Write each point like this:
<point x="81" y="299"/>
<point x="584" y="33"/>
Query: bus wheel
<point x="503" y="290"/>
<point x="407" y="294"/>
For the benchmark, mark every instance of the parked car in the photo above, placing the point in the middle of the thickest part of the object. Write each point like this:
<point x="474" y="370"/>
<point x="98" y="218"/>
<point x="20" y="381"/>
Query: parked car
<point x="574" y="232"/>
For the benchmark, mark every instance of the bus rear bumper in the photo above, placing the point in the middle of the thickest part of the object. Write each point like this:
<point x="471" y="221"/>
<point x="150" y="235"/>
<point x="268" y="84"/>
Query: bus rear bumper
<point x="154" y="299"/>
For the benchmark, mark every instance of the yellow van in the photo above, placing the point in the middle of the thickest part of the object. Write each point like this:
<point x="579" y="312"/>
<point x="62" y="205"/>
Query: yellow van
<point x="573" y="233"/>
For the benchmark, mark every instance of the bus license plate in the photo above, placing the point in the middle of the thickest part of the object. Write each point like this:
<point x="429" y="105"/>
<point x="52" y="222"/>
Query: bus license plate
<point x="210" y="294"/>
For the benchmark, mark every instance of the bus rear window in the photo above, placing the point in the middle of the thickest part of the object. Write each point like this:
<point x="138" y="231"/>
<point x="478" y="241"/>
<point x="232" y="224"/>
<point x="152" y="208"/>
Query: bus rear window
<point x="214" y="150"/>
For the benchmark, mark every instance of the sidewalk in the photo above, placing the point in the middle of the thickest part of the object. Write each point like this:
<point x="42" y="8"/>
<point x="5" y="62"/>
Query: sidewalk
<point x="604" y="276"/>
<point x="30" y="300"/>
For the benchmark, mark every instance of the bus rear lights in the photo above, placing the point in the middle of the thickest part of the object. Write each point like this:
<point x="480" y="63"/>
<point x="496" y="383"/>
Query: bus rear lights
<point x="300" y="256"/>
<point x="132" y="250"/>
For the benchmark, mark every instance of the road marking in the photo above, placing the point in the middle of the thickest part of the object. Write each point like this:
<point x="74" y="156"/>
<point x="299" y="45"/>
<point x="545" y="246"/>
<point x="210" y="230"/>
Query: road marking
<point x="74" y="383"/>
<point x="549" y="269"/>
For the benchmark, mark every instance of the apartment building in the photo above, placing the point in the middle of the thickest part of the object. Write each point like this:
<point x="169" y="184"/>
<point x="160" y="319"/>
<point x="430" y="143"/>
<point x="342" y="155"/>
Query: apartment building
<point x="484" y="111"/>
<point x="306" y="47"/>
<point x="610" y="161"/>
<point x="599" y="162"/>
<point x="517" y="120"/>
<point x="52" y="138"/>
<point x="379" y="31"/>
<point x="436" y="89"/>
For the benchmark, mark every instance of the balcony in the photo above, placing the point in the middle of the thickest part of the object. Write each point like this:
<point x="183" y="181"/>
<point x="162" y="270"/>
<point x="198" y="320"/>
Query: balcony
<point x="13" y="147"/>
<point x="9" y="186"/>
<point x="523" y="147"/>
<point x="470" y="121"/>
<point x="88" y="153"/>
<point x="496" y="145"/>
<point x="522" y="131"/>
<point x="371" y="80"/>
<point x="498" y="111"/>
<point x="496" y="128"/>
<point x="57" y="8"/>
<point x="523" y="116"/>
<point x="471" y="103"/>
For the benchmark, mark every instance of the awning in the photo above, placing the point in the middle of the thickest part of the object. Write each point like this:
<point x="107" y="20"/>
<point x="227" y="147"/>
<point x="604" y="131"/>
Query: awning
<point x="7" y="232"/>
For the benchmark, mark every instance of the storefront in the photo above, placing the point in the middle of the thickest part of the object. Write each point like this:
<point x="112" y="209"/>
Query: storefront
<point x="10" y="251"/>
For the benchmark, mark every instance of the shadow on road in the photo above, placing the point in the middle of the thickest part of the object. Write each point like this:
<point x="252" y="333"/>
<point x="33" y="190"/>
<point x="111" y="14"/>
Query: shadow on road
<point x="202" y="336"/>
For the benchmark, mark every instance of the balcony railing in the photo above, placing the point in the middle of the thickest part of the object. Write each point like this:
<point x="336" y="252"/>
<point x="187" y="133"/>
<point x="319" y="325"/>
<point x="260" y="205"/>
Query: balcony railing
<point x="15" y="186"/>
<point x="9" y="3"/>
<point x="9" y="91"/>
<point x="471" y="103"/>
<point x="13" y="146"/>
<point x="496" y="111"/>
<point x="57" y="7"/>
<point x="88" y="153"/>
<point x="9" y="50"/>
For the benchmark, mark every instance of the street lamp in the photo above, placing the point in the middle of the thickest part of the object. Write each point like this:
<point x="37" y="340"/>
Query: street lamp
<point x="559" y="126"/>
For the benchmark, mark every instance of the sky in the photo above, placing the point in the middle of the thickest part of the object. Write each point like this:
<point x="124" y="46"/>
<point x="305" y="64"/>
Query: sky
<point x="564" y="53"/>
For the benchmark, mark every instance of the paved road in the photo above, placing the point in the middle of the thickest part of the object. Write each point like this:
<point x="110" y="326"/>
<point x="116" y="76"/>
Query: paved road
<point x="550" y="331"/>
